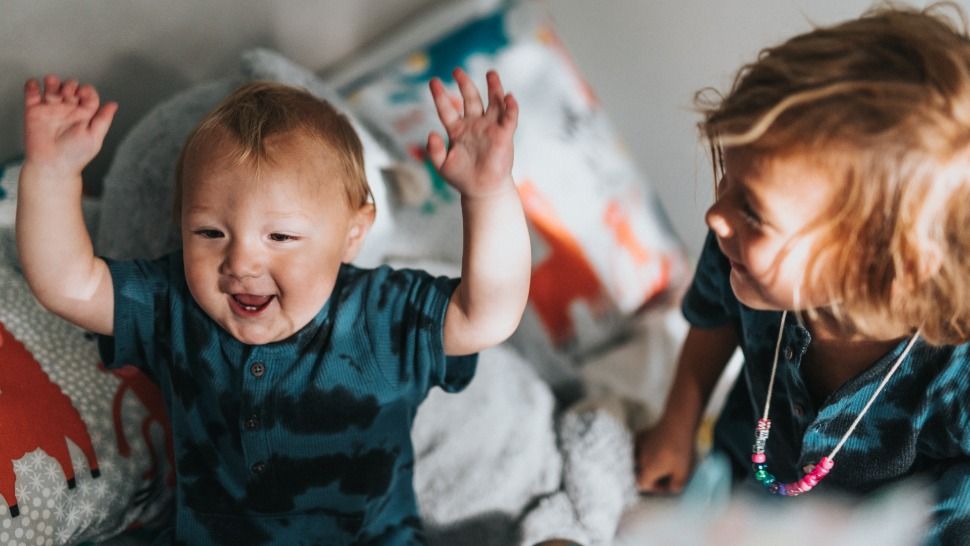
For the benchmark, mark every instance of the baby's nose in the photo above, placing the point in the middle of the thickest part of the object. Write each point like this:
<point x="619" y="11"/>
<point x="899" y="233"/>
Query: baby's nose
<point x="242" y="261"/>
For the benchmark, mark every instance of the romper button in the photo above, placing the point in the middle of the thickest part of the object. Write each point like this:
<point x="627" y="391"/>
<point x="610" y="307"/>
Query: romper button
<point x="257" y="369"/>
<point x="789" y="353"/>
<point x="252" y="423"/>
<point x="258" y="468"/>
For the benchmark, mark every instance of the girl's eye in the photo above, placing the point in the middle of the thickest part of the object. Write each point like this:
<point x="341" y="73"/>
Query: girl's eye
<point x="281" y="237"/>
<point x="209" y="233"/>
<point x="750" y="216"/>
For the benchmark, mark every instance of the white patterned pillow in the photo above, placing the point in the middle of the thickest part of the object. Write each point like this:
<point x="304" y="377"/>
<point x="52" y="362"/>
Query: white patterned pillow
<point x="84" y="452"/>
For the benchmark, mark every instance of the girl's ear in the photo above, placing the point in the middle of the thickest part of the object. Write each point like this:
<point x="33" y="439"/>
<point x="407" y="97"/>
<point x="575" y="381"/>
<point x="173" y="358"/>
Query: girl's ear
<point x="360" y="224"/>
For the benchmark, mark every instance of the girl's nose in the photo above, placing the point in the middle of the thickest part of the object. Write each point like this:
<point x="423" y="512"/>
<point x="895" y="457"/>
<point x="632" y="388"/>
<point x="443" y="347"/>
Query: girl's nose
<point x="717" y="220"/>
<point x="241" y="260"/>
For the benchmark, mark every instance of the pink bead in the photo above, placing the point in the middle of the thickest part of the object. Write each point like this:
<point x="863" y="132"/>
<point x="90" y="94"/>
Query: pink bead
<point x="758" y="458"/>
<point x="826" y="463"/>
<point x="804" y="486"/>
<point x="811" y="480"/>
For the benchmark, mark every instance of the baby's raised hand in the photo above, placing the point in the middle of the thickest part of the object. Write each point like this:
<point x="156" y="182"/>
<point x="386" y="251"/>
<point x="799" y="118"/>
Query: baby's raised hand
<point x="64" y="124"/>
<point x="478" y="159"/>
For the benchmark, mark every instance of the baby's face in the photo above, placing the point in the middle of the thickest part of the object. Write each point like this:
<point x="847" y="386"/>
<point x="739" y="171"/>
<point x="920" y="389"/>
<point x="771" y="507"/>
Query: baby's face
<point x="262" y="253"/>
<point x="760" y="212"/>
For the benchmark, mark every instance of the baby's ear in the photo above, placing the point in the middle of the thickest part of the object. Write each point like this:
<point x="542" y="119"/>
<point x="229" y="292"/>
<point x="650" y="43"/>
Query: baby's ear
<point x="360" y="223"/>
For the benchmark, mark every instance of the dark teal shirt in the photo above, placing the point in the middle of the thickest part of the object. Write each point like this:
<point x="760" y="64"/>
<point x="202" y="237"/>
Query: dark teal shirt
<point x="302" y="441"/>
<point x="919" y="424"/>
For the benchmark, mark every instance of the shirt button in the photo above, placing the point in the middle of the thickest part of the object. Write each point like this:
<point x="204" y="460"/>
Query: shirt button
<point x="257" y="369"/>
<point x="258" y="468"/>
<point x="798" y="410"/>
<point x="252" y="423"/>
<point x="789" y="353"/>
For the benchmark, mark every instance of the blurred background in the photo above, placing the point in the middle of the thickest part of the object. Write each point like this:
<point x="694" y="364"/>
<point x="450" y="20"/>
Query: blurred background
<point x="645" y="59"/>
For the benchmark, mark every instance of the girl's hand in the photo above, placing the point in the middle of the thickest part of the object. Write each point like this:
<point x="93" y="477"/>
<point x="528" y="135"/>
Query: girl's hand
<point x="478" y="160"/>
<point x="664" y="458"/>
<point x="64" y="124"/>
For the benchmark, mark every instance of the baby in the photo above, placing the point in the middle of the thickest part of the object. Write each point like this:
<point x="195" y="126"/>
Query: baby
<point x="837" y="260"/>
<point x="291" y="377"/>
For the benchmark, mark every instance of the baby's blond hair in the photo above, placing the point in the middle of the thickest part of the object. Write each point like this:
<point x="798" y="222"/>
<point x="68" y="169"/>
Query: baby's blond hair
<point x="882" y="103"/>
<point x="261" y="109"/>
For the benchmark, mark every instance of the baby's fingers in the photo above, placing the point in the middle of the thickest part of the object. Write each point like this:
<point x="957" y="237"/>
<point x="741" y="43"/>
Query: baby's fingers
<point x="32" y="93"/>
<point x="510" y="115"/>
<point x="69" y="91"/>
<point x="52" y="88"/>
<point x="496" y="95"/>
<point x="88" y="98"/>
<point x="101" y="120"/>
<point x="442" y="102"/>
<point x="436" y="150"/>
<point x="473" y="101"/>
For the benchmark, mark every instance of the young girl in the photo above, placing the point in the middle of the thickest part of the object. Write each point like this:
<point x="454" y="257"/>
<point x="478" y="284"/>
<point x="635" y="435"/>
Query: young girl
<point x="837" y="260"/>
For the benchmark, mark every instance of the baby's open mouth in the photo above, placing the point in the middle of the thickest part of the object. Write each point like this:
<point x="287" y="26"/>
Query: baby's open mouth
<point x="250" y="303"/>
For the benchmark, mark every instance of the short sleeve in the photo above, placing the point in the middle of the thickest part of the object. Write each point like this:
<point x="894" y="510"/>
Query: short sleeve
<point x="709" y="301"/>
<point x="414" y="304"/>
<point x="141" y="293"/>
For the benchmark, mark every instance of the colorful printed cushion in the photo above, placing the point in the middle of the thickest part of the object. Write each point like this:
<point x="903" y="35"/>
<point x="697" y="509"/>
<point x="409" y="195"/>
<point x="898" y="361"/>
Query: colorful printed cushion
<point x="602" y="249"/>
<point x="84" y="453"/>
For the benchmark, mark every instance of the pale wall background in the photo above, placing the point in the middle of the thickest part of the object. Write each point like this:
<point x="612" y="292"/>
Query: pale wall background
<point x="645" y="58"/>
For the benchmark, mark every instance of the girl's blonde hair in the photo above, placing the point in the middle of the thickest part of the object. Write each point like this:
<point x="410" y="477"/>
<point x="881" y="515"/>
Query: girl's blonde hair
<point x="261" y="109"/>
<point x="882" y="103"/>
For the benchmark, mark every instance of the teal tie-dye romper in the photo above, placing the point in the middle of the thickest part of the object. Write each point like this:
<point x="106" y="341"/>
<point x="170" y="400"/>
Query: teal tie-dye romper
<point x="302" y="441"/>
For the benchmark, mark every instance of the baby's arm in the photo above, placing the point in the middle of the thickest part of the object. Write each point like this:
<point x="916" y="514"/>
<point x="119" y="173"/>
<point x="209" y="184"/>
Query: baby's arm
<point x="64" y="128"/>
<point x="665" y="452"/>
<point x="496" y="262"/>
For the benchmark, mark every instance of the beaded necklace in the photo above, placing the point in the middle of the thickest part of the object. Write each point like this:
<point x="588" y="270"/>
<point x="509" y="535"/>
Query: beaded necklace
<point x="824" y="466"/>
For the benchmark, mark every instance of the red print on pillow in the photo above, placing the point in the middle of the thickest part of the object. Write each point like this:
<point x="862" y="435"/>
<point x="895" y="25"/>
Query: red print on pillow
<point x="564" y="276"/>
<point x="35" y="415"/>
<point x="150" y="396"/>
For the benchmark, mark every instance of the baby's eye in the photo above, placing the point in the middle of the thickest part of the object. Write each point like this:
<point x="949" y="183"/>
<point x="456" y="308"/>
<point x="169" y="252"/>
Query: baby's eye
<point x="281" y="237"/>
<point x="208" y="233"/>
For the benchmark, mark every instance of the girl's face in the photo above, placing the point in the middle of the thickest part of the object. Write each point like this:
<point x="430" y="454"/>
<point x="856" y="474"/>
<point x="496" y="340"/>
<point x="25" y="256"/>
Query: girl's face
<point x="762" y="207"/>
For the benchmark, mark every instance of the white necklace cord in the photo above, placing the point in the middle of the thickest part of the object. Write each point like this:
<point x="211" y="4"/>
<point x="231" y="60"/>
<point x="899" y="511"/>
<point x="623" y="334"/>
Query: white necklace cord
<point x="855" y="422"/>
<point x="774" y="364"/>
<point x="889" y="374"/>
